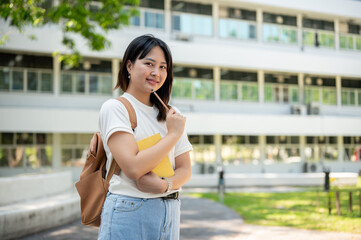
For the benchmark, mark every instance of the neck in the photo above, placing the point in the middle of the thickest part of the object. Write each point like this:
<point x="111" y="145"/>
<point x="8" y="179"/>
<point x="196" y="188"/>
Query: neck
<point x="141" y="97"/>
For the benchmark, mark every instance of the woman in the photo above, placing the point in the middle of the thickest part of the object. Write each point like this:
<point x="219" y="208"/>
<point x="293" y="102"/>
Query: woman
<point x="140" y="204"/>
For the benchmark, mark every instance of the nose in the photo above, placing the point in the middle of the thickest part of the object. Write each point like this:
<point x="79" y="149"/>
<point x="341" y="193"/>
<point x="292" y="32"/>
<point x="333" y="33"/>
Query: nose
<point x="155" y="72"/>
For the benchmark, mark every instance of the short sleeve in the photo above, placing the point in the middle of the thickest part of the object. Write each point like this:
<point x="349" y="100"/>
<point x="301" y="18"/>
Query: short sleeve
<point x="113" y="117"/>
<point x="183" y="145"/>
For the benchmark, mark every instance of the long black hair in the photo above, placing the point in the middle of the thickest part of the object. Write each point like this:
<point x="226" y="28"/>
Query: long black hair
<point x="138" y="49"/>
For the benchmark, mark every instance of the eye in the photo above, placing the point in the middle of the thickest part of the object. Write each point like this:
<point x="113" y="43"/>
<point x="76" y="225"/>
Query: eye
<point x="163" y="67"/>
<point x="149" y="64"/>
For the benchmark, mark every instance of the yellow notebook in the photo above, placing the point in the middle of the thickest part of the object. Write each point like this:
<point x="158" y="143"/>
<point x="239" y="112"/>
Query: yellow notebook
<point x="164" y="168"/>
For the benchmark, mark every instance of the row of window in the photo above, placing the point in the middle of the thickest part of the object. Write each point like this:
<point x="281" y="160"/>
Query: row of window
<point x="241" y="24"/>
<point x="36" y="150"/>
<point x="30" y="80"/>
<point x="289" y="140"/>
<point x="74" y="156"/>
<point x="237" y="150"/>
<point x="41" y="81"/>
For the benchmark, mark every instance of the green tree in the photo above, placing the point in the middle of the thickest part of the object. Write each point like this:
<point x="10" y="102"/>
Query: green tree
<point x="91" y="19"/>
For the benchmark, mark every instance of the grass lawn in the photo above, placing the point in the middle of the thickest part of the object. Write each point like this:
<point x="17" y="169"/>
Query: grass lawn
<point x="295" y="209"/>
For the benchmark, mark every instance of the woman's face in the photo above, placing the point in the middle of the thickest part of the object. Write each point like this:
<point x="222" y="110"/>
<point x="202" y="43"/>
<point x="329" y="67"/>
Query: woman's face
<point x="147" y="73"/>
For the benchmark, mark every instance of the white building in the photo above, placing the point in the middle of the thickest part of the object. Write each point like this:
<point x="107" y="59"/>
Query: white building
<point x="266" y="85"/>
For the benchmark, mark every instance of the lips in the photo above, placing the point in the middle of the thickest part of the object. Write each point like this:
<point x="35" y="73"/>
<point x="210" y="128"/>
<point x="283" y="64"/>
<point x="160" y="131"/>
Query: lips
<point x="152" y="81"/>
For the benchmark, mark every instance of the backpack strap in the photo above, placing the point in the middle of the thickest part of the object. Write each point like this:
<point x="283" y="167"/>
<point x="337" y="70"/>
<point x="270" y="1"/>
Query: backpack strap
<point x="131" y="112"/>
<point x="114" y="168"/>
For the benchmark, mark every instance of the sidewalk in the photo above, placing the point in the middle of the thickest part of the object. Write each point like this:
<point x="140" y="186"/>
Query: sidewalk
<point x="203" y="219"/>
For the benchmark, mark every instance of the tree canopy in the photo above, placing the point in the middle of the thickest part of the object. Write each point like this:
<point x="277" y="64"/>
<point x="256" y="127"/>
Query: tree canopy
<point x="87" y="18"/>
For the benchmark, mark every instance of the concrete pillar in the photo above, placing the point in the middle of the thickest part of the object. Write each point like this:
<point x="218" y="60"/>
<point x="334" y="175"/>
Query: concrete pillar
<point x="215" y="17"/>
<point x="340" y="148"/>
<point x="299" y="31"/>
<point x="56" y="150"/>
<point x="337" y="34"/>
<point x="259" y="24"/>
<point x="260" y="78"/>
<point x="338" y="92"/>
<point x="168" y="17"/>
<point x="25" y="80"/>
<point x="115" y="71"/>
<point x="302" y="149"/>
<point x="217" y="83"/>
<point x="56" y="75"/>
<point x="262" y="145"/>
<point x="218" y="144"/>
<point x="301" y="88"/>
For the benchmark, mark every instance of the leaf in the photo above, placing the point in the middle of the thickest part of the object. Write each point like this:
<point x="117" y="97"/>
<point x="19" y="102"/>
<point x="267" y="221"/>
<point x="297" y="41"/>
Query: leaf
<point x="3" y="39"/>
<point x="78" y="17"/>
<point x="32" y="37"/>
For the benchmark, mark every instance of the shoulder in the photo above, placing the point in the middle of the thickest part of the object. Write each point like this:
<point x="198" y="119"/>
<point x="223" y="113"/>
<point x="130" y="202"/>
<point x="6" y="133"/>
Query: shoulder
<point x="112" y="105"/>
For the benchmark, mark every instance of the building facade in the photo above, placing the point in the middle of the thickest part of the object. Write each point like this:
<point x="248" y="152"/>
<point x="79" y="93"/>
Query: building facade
<point x="267" y="87"/>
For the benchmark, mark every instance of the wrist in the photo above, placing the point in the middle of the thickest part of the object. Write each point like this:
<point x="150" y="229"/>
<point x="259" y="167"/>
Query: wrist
<point x="169" y="185"/>
<point x="173" y="135"/>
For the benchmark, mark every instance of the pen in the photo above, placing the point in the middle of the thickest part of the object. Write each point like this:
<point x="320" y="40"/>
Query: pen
<point x="160" y="100"/>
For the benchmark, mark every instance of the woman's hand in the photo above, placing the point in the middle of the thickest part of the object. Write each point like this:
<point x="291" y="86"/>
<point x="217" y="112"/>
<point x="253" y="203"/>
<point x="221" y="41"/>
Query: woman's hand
<point x="175" y="122"/>
<point x="151" y="183"/>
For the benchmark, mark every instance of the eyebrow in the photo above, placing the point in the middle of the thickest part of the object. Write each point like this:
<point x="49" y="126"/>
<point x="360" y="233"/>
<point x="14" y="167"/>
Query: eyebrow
<point x="151" y="59"/>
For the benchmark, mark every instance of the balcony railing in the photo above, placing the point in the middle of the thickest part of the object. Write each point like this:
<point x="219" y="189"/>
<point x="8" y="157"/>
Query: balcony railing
<point x="273" y="33"/>
<point x="350" y="42"/>
<point x="239" y="29"/>
<point x="192" y="24"/>
<point x="318" y="38"/>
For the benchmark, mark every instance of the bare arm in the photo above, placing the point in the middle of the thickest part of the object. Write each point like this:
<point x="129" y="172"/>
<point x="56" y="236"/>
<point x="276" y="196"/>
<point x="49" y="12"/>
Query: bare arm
<point x="135" y="163"/>
<point x="153" y="184"/>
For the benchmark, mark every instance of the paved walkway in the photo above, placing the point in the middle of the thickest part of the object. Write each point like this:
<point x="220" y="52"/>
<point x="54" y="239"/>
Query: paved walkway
<point x="203" y="219"/>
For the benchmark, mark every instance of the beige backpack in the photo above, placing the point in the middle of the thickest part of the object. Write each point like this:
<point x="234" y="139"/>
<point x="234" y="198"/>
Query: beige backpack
<point x="92" y="186"/>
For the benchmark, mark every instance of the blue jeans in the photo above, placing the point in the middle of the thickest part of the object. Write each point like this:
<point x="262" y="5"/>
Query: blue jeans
<point x="133" y="218"/>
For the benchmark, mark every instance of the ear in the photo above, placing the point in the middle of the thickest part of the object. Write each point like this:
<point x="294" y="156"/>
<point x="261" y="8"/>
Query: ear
<point x="129" y="66"/>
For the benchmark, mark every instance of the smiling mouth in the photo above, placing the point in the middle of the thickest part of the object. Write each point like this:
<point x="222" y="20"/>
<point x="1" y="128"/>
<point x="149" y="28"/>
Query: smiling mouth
<point x="152" y="81"/>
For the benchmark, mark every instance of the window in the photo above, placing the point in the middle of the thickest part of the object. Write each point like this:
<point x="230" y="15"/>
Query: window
<point x="321" y="148"/>
<point x="192" y="18"/>
<point x="239" y="86"/>
<point x="320" y="90"/>
<point x="26" y="61"/>
<point x="154" y="20"/>
<point x="283" y="149"/>
<point x="151" y="15"/>
<point x="156" y="4"/>
<point x="74" y="148"/>
<point x="351" y="92"/>
<point x="193" y="24"/>
<point x="194" y="8"/>
<point x="237" y="23"/>
<point x="39" y="81"/>
<point x="238" y="150"/>
<point x="95" y="79"/>
<point x="279" y="28"/>
<point x="352" y="152"/>
<point x="350" y="36"/>
<point x="203" y="156"/>
<point x="32" y="150"/>
<point x="15" y="79"/>
<point x="318" y="33"/>
<point x="193" y="83"/>
<point x="18" y="80"/>
<point x="26" y="73"/>
<point x="280" y="88"/>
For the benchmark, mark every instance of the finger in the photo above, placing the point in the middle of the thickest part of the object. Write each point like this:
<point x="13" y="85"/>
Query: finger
<point x="171" y="111"/>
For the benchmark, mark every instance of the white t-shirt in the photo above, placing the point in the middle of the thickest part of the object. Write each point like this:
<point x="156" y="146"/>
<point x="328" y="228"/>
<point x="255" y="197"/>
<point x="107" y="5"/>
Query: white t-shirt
<point x="113" y="117"/>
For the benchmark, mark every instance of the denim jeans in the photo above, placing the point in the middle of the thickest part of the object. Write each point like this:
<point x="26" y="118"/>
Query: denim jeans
<point x="133" y="218"/>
